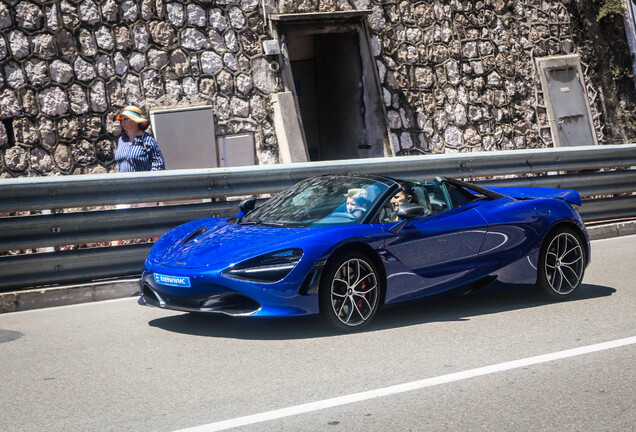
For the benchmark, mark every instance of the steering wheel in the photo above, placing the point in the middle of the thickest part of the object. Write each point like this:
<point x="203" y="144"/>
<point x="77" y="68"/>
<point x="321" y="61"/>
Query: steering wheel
<point x="344" y="215"/>
<point x="358" y="212"/>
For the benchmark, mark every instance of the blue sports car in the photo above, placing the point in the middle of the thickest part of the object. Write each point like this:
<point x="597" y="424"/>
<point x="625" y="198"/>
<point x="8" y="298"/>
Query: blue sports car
<point x="343" y="245"/>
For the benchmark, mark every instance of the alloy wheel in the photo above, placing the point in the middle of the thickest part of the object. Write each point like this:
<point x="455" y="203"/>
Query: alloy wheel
<point x="354" y="292"/>
<point x="564" y="263"/>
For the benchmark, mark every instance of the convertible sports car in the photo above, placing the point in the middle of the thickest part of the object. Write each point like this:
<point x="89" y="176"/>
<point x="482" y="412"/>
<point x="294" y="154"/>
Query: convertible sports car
<point x="344" y="245"/>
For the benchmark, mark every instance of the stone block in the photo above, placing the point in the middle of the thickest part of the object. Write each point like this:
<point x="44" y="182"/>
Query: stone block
<point x="89" y="13"/>
<point x="29" y="16"/>
<point x="5" y="16"/>
<point x="53" y="101"/>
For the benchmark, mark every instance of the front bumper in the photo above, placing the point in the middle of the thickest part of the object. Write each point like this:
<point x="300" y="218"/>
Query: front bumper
<point x="213" y="293"/>
<point x="225" y="302"/>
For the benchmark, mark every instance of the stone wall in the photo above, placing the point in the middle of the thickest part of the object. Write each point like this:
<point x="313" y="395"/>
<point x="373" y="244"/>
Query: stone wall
<point x="460" y="75"/>
<point x="67" y="67"/>
<point x="456" y="75"/>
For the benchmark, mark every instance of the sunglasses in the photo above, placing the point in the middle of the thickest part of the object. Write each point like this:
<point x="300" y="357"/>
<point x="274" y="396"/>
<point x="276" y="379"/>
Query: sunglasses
<point x="125" y="119"/>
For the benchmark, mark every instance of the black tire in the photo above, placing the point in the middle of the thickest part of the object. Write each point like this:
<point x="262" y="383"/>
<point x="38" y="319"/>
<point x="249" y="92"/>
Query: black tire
<point x="350" y="292"/>
<point x="561" y="264"/>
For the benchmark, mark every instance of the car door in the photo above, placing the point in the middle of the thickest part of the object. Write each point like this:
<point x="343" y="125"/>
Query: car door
<point x="511" y="248"/>
<point x="434" y="253"/>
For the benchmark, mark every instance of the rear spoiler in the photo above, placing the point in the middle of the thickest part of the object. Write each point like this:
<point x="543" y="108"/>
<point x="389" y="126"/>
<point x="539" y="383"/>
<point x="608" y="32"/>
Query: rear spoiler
<point x="568" y="195"/>
<point x="521" y="192"/>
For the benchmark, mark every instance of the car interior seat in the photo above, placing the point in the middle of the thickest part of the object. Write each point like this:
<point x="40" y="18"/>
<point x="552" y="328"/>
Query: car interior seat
<point x="436" y="198"/>
<point x="423" y="200"/>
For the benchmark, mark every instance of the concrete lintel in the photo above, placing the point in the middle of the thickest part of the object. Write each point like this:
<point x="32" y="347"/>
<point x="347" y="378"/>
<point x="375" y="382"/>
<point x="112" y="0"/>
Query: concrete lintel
<point x="319" y="15"/>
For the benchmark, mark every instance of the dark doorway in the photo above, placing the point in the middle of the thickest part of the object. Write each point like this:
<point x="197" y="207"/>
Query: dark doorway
<point x="8" y="127"/>
<point x="328" y="79"/>
<point x="337" y="94"/>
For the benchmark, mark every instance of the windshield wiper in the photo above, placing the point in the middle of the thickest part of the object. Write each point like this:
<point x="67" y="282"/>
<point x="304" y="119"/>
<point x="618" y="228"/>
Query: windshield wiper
<point x="251" y="222"/>
<point x="260" y="222"/>
<point x="273" y="224"/>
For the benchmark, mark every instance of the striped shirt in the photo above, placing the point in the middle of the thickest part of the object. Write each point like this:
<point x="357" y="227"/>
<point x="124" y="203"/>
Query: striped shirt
<point x="143" y="154"/>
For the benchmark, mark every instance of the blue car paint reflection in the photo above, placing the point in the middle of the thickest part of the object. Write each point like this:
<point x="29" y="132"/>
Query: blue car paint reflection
<point x="461" y="241"/>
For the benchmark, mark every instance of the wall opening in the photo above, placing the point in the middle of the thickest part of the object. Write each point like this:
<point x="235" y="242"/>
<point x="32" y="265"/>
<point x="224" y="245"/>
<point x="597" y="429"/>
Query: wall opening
<point x="327" y="75"/>
<point x="8" y="127"/>
<point x="333" y="78"/>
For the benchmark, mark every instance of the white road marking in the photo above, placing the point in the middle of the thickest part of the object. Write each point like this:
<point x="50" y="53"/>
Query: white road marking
<point x="406" y="387"/>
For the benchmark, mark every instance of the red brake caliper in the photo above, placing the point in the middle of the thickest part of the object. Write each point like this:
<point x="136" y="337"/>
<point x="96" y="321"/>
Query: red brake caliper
<point x="359" y="302"/>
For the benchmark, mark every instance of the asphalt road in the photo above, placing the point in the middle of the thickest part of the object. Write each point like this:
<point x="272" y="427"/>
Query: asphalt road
<point x="116" y="366"/>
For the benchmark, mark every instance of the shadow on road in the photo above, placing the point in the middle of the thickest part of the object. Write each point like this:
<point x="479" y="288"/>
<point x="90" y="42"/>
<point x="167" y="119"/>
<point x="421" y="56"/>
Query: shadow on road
<point x="433" y="310"/>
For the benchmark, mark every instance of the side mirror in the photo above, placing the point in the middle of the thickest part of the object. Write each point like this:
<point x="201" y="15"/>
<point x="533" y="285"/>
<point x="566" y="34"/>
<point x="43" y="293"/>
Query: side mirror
<point x="409" y="211"/>
<point x="406" y="212"/>
<point x="246" y="206"/>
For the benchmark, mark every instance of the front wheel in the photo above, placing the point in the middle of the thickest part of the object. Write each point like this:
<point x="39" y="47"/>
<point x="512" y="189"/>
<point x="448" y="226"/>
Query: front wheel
<point x="561" y="264"/>
<point x="350" y="291"/>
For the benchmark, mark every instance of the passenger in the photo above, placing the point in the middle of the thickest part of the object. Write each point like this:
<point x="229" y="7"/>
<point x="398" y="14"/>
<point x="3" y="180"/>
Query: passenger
<point x="406" y="195"/>
<point x="357" y="202"/>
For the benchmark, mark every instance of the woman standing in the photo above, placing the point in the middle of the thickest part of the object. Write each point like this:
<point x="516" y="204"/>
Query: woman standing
<point x="137" y="150"/>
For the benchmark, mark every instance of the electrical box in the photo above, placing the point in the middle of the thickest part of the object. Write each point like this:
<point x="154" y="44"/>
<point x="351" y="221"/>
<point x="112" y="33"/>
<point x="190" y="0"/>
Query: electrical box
<point x="186" y="136"/>
<point x="236" y="150"/>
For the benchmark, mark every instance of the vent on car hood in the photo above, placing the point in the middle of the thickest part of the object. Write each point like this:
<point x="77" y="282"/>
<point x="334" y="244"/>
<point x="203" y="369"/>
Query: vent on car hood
<point x="221" y="242"/>
<point x="193" y="235"/>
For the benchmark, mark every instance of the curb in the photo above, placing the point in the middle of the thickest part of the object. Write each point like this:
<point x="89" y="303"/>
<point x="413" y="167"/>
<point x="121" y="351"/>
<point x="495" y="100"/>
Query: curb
<point x="68" y="295"/>
<point x="616" y="229"/>
<point x="16" y="301"/>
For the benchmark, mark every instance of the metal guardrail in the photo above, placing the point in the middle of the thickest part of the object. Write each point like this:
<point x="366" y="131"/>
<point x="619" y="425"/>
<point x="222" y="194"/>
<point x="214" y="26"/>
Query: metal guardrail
<point x="58" y="229"/>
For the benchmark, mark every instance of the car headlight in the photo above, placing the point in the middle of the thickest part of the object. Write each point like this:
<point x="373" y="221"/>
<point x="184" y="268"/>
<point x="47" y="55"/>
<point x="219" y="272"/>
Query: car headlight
<point x="270" y="267"/>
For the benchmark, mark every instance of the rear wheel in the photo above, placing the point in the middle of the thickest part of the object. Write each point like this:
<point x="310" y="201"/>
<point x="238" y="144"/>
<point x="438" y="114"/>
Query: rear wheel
<point x="350" y="291"/>
<point x="561" y="264"/>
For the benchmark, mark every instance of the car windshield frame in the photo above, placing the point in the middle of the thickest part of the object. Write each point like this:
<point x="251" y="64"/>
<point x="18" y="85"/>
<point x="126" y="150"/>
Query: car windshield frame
<point x="320" y="202"/>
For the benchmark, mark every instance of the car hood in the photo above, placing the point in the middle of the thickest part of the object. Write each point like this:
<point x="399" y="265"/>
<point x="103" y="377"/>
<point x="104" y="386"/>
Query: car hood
<point x="224" y="241"/>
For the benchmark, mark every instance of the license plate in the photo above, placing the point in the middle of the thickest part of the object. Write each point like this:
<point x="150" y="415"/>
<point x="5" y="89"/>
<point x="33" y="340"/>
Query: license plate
<point x="176" y="281"/>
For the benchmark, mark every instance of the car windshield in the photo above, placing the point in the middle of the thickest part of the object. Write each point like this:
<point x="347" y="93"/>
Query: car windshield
<point x="319" y="202"/>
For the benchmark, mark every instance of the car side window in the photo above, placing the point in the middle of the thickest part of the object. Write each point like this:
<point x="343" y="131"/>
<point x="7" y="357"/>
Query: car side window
<point x="413" y="193"/>
<point x="436" y="198"/>
<point x="459" y="197"/>
<point x="386" y="213"/>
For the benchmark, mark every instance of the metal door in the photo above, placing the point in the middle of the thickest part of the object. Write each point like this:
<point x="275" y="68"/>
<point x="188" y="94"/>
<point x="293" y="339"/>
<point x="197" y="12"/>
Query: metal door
<point x="569" y="105"/>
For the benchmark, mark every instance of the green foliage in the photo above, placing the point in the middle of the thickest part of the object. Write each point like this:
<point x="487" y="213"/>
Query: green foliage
<point x="608" y="9"/>
<point x="621" y="72"/>
<point x="631" y="117"/>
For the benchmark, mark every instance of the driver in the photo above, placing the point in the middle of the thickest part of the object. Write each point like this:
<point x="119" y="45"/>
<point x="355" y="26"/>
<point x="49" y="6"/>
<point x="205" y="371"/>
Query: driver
<point x="406" y="195"/>
<point x="357" y="202"/>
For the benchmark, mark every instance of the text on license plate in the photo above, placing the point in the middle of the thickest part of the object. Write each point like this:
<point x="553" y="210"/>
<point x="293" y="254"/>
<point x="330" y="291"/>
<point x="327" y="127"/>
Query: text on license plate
<point x="177" y="281"/>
